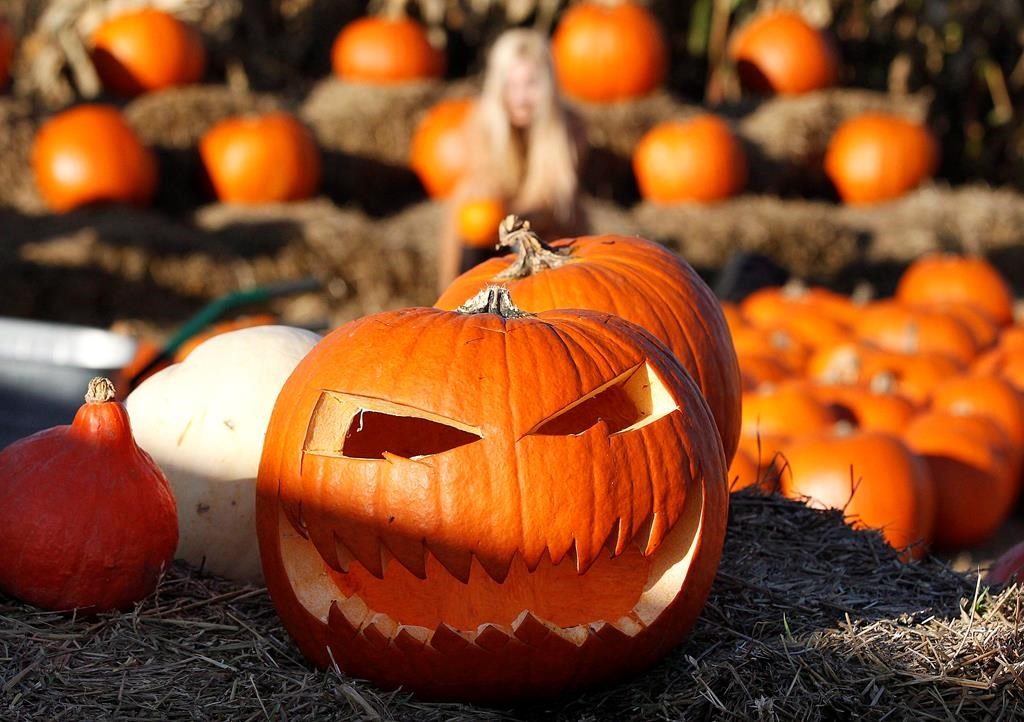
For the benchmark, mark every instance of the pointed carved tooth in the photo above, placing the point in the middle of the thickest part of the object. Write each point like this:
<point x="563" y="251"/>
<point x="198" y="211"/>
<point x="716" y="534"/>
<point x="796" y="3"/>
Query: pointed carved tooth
<point x="495" y="569"/>
<point x="447" y="640"/>
<point x="411" y="638"/>
<point x="372" y="634"/>
<point x="342" y="555"/>
<point x="616" y="541"/>
<point x="385" y="624"/>
<point x="327" y="548"/>
<point x="340" y="626"/>
<point x="354" y="609"/>
<point x="630" y="625"/>
<point x="293" y="512"/>
<point x="365" y="547"/>
<point x="410" y="553"/>
<point x="608" y="632"/>
<point x="576" y="635"/>
<point x="529" y="629"/>
<point x="458" y="563"/>
<point x="491" y="637"/>
<point x="642" y="536"/>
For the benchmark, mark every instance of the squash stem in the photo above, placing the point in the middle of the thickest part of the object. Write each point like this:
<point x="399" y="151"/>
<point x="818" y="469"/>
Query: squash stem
<point x="534" y="254"/>
<point x="100" y="391"/>
<point x="493" y="299"/>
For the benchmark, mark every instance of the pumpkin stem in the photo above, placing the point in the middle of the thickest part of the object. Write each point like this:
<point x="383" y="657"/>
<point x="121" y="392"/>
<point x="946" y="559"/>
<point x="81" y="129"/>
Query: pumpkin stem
<point x="100" y="391"/>
<point x="534" y="254"/>
<point x="493" y="299"/>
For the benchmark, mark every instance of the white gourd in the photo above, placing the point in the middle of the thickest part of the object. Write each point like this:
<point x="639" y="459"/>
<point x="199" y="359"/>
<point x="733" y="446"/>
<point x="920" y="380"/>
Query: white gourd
<point x="203" y="421"/>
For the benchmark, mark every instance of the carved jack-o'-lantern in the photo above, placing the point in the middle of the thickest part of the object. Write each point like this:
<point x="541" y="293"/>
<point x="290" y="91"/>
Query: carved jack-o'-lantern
<point x="485" y="504"/>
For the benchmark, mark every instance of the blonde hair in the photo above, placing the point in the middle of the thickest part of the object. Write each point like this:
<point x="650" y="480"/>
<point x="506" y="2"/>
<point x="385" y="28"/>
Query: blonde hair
<point x="539" y="169"/>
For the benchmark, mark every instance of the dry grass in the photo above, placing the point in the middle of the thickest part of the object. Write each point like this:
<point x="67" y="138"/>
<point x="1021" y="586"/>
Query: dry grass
<point x="807" y="620"/>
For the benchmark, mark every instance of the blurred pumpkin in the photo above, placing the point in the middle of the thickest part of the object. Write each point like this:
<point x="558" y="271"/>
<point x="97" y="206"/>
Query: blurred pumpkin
<point x="261" y="159"/>
<point x="951" y="278"/>
<point x="605" y="53"/>
<point x="873" y="478"/>
<point x="87" y="519"/>
<point x="746" y="471"/>
<point x="145" y="50"/>
<point x="784" y="412"/>
<point x="1009" y="566"/>
<point x="780" y="52"/>
<point x="634" y="278"/>
<point x="691" y="160"/>
<point x="426" y="500"/>
<point x="776" y="344"/>
<point x="776" y="305"/>
<point x="439" y="155"/>
<point x="8" y="42"/>
<point x="876" y="157"/>
<point x="980" y="324"/>
<point x="89" y="154"/>
<point x="892" y="326"/>
<point x="477" y="221"/>
<point x="869" y="409"/>
<point x="385" y="51"/>
<point x="757" y="369"/>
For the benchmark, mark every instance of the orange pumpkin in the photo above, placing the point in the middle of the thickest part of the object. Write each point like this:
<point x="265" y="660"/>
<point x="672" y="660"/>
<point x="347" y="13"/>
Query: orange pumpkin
<point x="631" y="277"/>
<point x="970" y="462"/>
<point x="866" y="408"/>
<point x="949" y="278"/>
<point x="691" y="160"/>
<point x="145" y="50"/>
<point x="605" y="53"/>
<point x="7" y="45"/>
<point x="777" y="344"/>
<point x="773" y="306"/>
<point x="439" y="155"/>
<point x="746" y="470"/>
<point x="385" y="51"/>
<point x="780" y="52"/>
<point x="87" y="520"/>
<point x="89" y="154"/>
<point x="477" y="222"/>
<point x="757" y="369"/>
<point x="427" y="500"/>
<point x="895" y="327"/>
<point x="986" y="332"/>
<point x="876" y="157"/>
<point x="261" y="159"/>
<point x="783" y="413"/>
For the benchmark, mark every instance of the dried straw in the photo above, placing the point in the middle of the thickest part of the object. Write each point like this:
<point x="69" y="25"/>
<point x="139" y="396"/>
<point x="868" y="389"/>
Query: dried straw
<point x="808" y="620"/>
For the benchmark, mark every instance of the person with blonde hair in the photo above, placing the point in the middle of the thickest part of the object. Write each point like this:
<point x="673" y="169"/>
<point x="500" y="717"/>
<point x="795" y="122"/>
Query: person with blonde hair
<point x="524" y="148"/>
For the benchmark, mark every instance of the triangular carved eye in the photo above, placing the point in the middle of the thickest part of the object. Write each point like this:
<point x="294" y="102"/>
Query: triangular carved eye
<point x="626" y="403"/>
<point x="360" y="428"/>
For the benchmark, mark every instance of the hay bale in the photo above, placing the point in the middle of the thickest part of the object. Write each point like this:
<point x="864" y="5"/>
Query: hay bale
<point x="17" y="130"/>
<point x="807" y="619"/>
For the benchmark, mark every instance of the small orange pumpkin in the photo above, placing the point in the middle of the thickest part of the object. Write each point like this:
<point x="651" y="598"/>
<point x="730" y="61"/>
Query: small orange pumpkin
<point x="145" y="50"/>
<point x="867" y="408"/>
<point x="439" y="155"/>
<point x="89" y="154"/>
<point x="385" y="51"/>
<point x="950" y="278"/>
<point x="691" y="160"/>
<point x="780" y="52"/>
<point x="747" y="471"/>
<point x="876" y="157"/>
<point x="777" y="414"/>
<point x="261" y="159"/>
<point x="776" y="305"/>
<point x="605" y="53"/>
<point x="791" y="353"/>
<point x="477" y="222"/>
<point x="757" y="369"/>
<point x="893" y="326"/>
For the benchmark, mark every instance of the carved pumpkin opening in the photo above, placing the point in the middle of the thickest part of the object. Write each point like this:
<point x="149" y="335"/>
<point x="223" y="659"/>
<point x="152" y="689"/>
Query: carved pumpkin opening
<point x="627" y="402"/>
<point x="372" y="433"/>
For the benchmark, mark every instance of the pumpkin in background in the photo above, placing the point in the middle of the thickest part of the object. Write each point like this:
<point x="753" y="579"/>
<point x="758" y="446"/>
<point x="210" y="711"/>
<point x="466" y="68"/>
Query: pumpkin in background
<point x="86" y="518"/>
<point x="690" y="160"/>
<point x="892" y="326"/>
<point x="477" y="222"/>
<point x="633" y="278"/>
<point x="970" y="461"/>
<point x="872" y="477"/>
<point x="203" y="421"/>
<point x="776" y="305"/>
<point x="89" y="154"/>
<point x="439" y="157"/>
<point x="876" y="157"/>
<point x="521" y="505"/>
<point x="145" y="50"/>
<point x="780" y="52"/>
<point x="775" y="344"/>
<point x="606" y="53"/>
<point x="949" y="278"/>
<point x="8" y="43"/>
<point x="261" y="159"/>
<point x="757" y="369"/>
<point x="782" y="413"/>
<point x="987" y="396"/>
<point x="746" y="470"/>
<point x="983" y="328"/>
<point x="385" y="51"/>
<point x="1007" y="567"/>
<point x="867" y="408"/>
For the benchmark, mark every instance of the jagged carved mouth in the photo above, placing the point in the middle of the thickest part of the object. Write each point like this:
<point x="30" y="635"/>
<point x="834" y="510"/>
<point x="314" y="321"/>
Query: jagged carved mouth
<point x="618" y="594"/>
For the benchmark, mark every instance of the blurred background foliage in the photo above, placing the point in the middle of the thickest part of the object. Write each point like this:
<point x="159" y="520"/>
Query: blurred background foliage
<point x="967" y="54"/>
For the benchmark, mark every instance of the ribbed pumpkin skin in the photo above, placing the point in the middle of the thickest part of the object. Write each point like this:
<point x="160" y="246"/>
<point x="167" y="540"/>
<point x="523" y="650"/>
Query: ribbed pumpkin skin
<point x="145" y="50"/>
<point x="780" y="52"/>
<point x="385" y="51"/>
<point x="641" y="282"/>
<point x="439" y="155"/>
<point x="511" y="494"/>
<point x="87" y="520"/>
<point x="609" y="53"/>
<point x="949" y="278"/>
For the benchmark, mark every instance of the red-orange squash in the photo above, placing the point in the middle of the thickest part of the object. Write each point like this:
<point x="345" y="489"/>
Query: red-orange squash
<point x="7" y="45"/>
<point x="261" y="159"/>
<point x="605" y="53"/>
<point x="439" y="155"/>
<point x="949" y="278"/>
<point x="520" y="504"/>
<point x="633" y="278"/>
<point x="780" y="52"/>
<point x="87" y="520"/>
<point x="89" y="154"/>
<point x="876" y="157"/>
<point x="872" y="477"/>
<point x="385" y="51"/>
<point x="690" y="160"/>
<point x="145" y="50"/>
